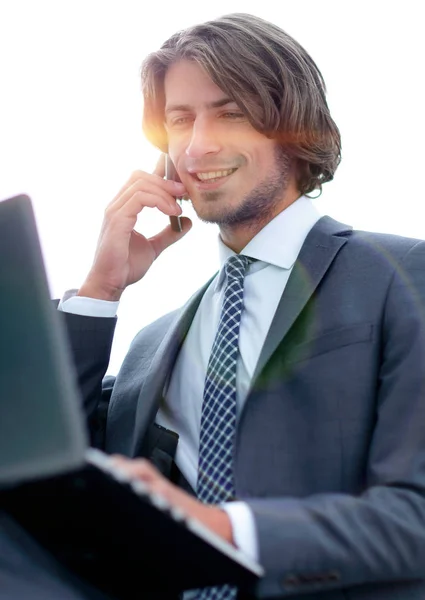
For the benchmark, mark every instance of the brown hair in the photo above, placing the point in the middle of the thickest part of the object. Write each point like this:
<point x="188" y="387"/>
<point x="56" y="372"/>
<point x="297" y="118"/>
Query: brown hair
<point x="271" y="78"/>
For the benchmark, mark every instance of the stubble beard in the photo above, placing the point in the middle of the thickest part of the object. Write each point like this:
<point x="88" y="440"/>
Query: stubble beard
<point x="259" y="206"/>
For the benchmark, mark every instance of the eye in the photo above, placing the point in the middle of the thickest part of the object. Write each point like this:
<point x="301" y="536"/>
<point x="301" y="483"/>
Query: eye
<point x="179" y="122"/>
<point x="233" y="115"/>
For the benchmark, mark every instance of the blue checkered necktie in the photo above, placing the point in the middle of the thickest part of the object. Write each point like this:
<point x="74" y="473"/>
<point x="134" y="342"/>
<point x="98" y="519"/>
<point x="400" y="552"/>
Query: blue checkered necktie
<point x="218" y="420"/>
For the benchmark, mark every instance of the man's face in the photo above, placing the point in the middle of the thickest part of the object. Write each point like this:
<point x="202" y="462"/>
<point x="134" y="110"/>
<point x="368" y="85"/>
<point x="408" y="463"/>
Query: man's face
<point x="234" y="174"/>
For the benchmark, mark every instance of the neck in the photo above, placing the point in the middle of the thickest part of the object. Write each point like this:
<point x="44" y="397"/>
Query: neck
<point x="237" y="236"/>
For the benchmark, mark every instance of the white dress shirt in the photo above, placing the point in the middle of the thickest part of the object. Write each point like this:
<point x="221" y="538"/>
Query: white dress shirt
<point x="276" y="248"/>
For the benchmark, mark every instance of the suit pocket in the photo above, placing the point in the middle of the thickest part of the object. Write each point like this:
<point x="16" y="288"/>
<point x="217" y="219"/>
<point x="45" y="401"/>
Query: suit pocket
<point x="332" y="340"/>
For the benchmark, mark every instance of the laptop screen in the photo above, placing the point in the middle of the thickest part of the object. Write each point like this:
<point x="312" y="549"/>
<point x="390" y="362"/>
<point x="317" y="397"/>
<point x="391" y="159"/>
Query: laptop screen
<point x="42" y="431"/>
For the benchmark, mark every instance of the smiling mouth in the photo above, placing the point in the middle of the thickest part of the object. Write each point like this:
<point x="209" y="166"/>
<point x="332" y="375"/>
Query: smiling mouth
<point x="213" y="176"/>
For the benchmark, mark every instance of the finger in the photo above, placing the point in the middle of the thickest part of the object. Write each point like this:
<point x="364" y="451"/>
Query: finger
<point x="140" y="195"/>
<point x="167" y="190"/>
<point x="168" y="236"/>
<point x="143" y="470"/>
<point x="139" y="468"/>
<point x="140" y="200"/>
<point x="160" y="166"/>
<point x="118" y="458"/>
<point x="138" y="177"/>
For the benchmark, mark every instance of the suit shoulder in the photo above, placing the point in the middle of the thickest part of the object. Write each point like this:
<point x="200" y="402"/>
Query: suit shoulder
<point x="396" y="245"/>
<point x="155" y="330"/>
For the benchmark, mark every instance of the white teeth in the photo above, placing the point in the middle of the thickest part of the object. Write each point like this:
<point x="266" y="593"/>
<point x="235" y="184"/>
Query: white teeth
<point x="214" y="174"/>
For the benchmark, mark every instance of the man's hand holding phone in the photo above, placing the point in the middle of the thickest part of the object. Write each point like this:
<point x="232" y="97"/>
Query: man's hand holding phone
<point x="123" y="255"/>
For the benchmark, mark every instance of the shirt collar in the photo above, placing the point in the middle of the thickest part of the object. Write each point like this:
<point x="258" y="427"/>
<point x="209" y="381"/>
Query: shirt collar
<point x="280" y="241"/>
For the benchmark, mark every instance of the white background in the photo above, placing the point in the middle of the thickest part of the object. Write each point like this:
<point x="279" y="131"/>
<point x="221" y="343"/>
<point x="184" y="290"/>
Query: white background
<point x="70" y="124"/>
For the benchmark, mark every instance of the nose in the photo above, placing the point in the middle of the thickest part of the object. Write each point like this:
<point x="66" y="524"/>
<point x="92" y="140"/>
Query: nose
<point x="203" y="140"/>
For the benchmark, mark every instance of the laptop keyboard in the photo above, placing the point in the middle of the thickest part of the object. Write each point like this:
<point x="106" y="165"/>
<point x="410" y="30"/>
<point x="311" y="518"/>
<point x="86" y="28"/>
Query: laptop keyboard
<point x="106" y="464"/>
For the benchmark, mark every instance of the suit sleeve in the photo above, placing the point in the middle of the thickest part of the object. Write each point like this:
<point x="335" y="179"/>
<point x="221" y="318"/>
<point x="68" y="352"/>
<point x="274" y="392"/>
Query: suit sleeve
<point x="90" y="340"/>
<point x="336" y="540"/>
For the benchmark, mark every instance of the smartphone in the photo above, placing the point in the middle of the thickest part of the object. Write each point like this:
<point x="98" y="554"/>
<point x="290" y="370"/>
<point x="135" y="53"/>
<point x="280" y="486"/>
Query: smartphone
<point x="171" y="173"/>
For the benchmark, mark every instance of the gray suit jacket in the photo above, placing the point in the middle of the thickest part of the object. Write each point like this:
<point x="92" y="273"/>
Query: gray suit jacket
<point x="330" y="447"/>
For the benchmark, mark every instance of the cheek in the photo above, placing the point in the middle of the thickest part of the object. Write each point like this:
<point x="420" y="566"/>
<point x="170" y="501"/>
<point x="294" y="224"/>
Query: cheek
<point x="259" y="167"/>
<point x="267" y="160"/>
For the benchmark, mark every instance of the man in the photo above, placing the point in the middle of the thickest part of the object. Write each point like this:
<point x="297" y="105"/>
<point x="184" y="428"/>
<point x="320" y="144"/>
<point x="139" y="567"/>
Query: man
<point x="294" y="379"/>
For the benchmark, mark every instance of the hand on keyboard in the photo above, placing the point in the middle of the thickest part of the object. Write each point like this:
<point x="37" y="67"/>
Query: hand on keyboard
<point x="145" y="479"/>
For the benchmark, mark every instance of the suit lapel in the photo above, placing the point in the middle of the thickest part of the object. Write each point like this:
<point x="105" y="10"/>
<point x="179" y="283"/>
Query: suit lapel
<point x="319" y="250"/>
<point x="317" y="253"/>
<point x="160" y="369"/>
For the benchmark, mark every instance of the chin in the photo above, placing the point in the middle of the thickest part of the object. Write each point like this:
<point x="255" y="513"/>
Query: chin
<point x="208" y="216"/>
<point x="216" y="216"/>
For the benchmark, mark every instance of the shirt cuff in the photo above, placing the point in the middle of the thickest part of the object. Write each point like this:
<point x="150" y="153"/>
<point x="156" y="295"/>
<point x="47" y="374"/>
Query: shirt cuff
<point x="87" y="307"/>
<point x="243" y="528"/>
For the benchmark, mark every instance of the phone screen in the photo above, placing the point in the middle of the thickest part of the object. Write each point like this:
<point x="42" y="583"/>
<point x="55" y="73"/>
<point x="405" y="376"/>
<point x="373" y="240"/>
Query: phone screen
<point x="171" y="173"/>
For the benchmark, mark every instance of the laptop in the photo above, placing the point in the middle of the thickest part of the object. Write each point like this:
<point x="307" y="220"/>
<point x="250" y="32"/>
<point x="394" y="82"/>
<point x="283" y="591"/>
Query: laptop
<point x="41" y="430"/>
<point x="106" y="527"/>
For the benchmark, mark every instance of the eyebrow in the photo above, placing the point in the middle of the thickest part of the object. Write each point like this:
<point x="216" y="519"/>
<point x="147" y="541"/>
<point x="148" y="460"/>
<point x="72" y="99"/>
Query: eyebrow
<point x="210" y="105"/>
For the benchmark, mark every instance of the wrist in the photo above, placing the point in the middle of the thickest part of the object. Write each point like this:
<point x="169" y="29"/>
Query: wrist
<point x="220" y="523"/>
<point x="92" y="289"/>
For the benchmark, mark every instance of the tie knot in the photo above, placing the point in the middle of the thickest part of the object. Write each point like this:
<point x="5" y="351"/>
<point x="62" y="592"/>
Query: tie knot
<point x="237" y="265"/>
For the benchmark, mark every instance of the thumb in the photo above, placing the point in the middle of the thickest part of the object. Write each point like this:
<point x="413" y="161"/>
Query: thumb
<point x="168" y="236"/>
